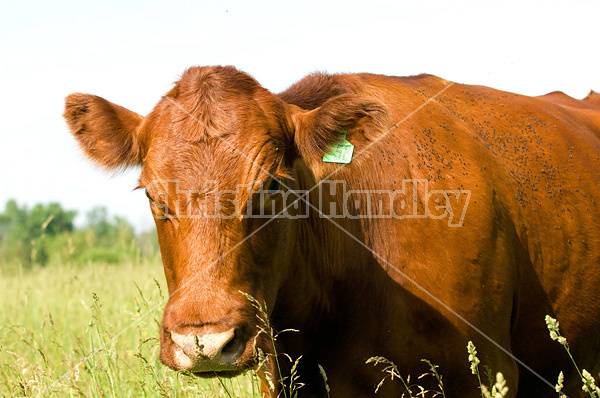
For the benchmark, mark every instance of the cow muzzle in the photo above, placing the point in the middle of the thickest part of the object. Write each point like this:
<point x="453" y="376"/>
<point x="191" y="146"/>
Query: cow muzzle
<point x="208" y="352"/>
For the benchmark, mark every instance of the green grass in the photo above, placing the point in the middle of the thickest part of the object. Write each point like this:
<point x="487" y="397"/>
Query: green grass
<point x="92" y="331"/>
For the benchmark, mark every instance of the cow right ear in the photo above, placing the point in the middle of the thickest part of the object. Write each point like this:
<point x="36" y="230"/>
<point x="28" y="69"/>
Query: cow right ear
<point x="107" y="133"/>
<point x="361" y="118"/>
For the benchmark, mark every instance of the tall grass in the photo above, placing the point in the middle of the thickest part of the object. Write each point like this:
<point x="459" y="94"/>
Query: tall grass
<point x="92" y="331"/>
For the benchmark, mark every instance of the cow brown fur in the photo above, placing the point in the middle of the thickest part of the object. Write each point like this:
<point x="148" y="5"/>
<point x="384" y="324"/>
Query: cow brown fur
<point x="528" y="246"/>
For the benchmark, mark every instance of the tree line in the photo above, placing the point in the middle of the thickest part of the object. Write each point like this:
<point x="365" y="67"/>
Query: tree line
<point x="45" y="234"/>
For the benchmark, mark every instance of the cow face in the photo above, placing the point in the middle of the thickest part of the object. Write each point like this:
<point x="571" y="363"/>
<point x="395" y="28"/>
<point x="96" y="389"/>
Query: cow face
<point x="219" y="156"/>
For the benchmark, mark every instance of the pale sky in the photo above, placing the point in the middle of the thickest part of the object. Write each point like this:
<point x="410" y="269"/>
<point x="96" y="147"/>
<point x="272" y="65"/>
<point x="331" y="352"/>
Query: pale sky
<point x="131" y="52"/>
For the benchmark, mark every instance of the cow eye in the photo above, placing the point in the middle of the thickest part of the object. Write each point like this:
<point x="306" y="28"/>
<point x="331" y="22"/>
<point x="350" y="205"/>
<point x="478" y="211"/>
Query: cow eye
<point x="160" y="210"/>
<point x="274" y="186"/>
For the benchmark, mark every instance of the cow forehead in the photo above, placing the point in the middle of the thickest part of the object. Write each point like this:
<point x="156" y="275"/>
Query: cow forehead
<point x="188" y="162"/>
<point x="208" y="129"/>
<point x="213" y="101"/>
<point x="198" y="119"/>
<point x="225" y="162"/>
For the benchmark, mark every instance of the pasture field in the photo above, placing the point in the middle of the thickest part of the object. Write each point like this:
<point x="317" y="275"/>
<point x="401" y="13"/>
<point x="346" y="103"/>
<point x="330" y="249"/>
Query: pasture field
<point x="92" y="331"/>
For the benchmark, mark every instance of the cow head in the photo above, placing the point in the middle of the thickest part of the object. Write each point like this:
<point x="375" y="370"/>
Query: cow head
<point x="216" y="150"/>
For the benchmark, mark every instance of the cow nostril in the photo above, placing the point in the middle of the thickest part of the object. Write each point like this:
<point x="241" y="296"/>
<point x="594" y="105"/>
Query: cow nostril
<point x="234" y="347"/>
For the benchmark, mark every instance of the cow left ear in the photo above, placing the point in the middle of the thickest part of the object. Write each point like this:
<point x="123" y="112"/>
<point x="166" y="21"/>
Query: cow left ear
<point x="362" y="118"/>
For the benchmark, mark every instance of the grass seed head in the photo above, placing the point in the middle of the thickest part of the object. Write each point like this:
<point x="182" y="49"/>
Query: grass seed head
<point x="473" y="357"/>
<point x="559" y="384"/>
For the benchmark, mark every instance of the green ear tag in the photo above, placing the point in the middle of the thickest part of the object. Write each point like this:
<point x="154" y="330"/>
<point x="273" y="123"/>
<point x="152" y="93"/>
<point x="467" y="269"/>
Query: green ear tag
<point x="341" y="151"/>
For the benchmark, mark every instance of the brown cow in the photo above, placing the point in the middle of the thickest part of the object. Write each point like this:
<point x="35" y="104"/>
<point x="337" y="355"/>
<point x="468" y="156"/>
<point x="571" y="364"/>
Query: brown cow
<point x="492" y="204"/>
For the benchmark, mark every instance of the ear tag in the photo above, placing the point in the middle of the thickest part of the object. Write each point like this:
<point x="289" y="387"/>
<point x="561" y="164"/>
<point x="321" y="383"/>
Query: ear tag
<point x="341" y="151"/>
